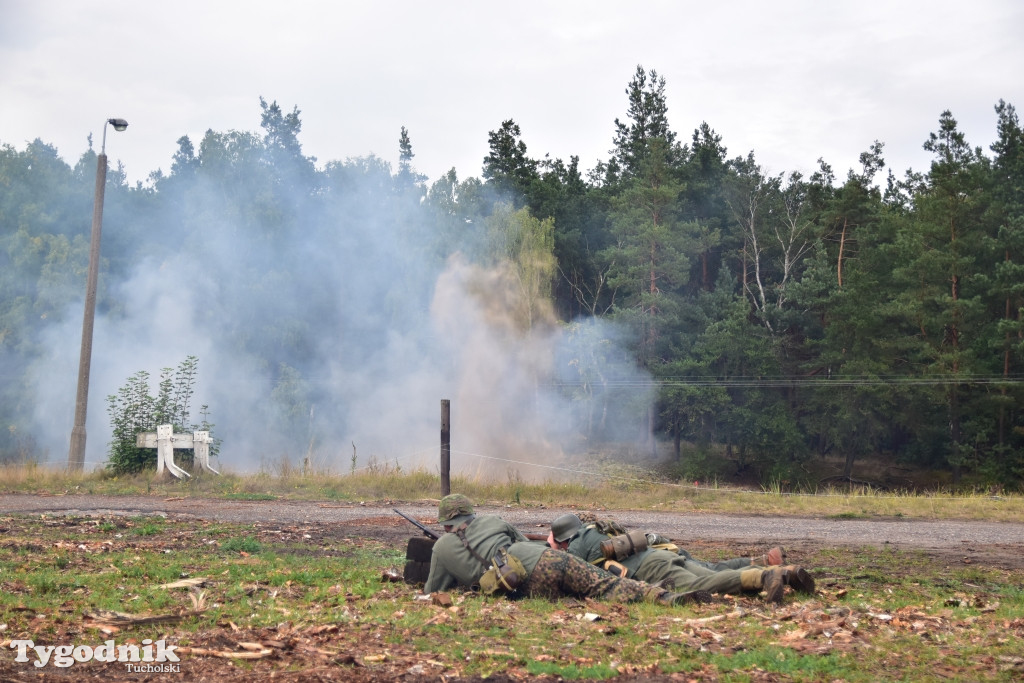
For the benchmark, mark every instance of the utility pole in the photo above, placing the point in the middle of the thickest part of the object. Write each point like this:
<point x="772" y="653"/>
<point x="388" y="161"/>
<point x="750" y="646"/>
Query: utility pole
<point x="76" y="452"/>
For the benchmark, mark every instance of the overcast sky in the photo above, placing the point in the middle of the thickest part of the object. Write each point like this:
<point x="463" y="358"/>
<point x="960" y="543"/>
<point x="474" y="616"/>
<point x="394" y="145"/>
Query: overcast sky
<point x="792" y="81"/>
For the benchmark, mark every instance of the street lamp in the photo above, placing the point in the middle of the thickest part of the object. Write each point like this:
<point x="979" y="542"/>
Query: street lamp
<point x="76" y="453"/>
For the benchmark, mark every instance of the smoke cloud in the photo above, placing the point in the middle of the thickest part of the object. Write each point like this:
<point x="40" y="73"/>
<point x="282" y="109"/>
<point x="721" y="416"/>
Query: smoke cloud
<point x="335" y="331"/>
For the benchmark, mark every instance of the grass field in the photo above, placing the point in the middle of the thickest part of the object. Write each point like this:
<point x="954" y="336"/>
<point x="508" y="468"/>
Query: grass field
<point x="320" y="602"/>
<point x="246" y="600"/>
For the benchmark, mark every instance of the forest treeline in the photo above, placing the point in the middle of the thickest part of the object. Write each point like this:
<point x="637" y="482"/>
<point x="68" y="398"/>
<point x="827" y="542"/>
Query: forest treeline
<point x="780" y="318"/>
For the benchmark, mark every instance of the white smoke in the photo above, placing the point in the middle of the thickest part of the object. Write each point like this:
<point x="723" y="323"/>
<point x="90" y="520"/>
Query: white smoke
<point x="372" y="332"/>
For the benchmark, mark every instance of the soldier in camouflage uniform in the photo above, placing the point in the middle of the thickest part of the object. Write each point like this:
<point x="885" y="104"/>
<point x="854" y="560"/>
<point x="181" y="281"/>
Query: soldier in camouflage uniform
<point x="552" y="574"/>
<point x="669" y="569"/>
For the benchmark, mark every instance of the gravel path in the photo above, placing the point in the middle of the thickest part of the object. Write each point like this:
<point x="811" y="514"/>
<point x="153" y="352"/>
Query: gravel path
<point x="950" y="534"/>
<point x="1000" y="543"/>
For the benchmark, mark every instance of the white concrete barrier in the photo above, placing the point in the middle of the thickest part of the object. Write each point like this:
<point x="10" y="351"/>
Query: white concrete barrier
<point x="164" y="440"/>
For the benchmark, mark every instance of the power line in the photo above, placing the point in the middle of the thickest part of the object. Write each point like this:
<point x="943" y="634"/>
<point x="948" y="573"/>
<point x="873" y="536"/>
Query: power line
<point x="798" y="381"/>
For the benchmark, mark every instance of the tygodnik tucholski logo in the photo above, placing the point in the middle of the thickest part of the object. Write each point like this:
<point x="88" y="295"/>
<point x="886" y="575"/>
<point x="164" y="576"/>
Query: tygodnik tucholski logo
<point x="151" y="657"/>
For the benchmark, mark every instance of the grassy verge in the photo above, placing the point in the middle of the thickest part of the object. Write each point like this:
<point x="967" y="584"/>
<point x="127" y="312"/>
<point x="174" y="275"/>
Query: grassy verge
<point x="615" y="489"/>
<point x="273" y="600"/>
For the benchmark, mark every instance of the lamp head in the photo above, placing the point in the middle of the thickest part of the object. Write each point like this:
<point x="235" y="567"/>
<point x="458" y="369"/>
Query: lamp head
<point x="118" y="124"/>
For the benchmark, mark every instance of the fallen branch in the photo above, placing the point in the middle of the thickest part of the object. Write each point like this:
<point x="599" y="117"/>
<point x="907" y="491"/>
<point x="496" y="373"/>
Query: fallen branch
<point x="224" y="654"/>
<point x="185" y="583"/>
<point x="121" y="619"/>
<point x="718" y="617"/>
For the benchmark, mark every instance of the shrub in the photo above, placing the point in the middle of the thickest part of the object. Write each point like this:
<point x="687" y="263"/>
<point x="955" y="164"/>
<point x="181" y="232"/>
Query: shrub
<point x="133" y="411"/>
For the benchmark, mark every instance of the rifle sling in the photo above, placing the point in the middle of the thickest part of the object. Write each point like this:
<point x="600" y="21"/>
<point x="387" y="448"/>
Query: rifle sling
<point x="461" y="533"/>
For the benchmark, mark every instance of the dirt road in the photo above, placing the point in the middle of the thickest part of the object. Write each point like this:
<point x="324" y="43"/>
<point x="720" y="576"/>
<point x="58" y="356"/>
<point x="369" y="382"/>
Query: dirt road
<point x="998" y="544"/>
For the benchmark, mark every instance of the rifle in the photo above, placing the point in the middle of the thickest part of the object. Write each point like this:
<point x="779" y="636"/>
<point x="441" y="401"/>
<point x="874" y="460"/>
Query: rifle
<point x="426" y="531"/>
<point x="432" y="534"/>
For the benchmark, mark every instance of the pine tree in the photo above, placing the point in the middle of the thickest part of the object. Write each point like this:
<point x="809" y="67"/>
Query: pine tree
<point x="647" y="120"/>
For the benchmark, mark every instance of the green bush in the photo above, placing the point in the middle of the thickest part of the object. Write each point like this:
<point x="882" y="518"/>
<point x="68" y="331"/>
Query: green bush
<point x="133" y="411"/>
<point x="248" y="544"/>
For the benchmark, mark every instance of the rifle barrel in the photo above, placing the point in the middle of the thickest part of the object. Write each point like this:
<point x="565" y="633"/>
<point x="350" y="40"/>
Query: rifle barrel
<point x="426" y="530"/>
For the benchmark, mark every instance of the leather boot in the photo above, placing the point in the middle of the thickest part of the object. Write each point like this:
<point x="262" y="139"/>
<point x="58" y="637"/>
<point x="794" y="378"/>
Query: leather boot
<point x="695" y="597"/>
<point x="799" y="579"/>
<point x="774" y="584"/>
<point x="671" y="599"/>
<point x="773" y="558"/>
<point x="777" y="578"/>
<point x="659" y="596"/>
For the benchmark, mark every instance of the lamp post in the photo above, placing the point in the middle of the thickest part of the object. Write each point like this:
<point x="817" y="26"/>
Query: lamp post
<point x="76" y="453"/>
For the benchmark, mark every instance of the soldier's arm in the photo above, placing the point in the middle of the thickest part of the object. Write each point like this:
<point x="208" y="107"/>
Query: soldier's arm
<point x="516" y="534"/>
<point x="587" y="545"/>
<point x="438" y="579"/>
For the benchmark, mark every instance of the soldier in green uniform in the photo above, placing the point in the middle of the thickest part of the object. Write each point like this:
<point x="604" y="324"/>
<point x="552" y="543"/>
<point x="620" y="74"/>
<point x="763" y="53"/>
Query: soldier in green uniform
<point x="474" y="544"/>
<point x="775" y="556"/>
<point x="666" y="568"/>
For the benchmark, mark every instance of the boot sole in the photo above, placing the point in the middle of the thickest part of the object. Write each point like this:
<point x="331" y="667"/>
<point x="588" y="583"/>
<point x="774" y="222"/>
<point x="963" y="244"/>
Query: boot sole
<point x="698" y="597"/>
<point x="775" y="585"/>
<point x="800" y="581"/>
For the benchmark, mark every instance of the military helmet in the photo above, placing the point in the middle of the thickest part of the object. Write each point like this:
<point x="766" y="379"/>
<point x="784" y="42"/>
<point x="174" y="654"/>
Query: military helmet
<point x="566" y="527"/>
<point x="454" y="509"/>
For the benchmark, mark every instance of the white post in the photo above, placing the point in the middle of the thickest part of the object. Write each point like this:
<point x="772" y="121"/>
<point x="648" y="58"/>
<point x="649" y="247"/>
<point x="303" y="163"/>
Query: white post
<point x="165" y="441"/>
<point x="201" y="441"/>
<point x="164" y="446"/>
<point x="165" y="451"/>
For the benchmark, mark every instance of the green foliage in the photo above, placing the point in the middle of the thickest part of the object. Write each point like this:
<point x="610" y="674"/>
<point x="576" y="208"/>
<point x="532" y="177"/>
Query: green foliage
<point x="133" y="410"/>
<point x="524" y="246"/>
<point x="507" y="168"/>
<point x="245" y="495"/>
<point x="149" y="529"/>
<point x="646" y="122"/>
<point x="248" y="544"/>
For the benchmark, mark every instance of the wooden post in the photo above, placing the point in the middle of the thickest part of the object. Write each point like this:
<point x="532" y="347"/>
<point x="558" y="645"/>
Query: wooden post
<point x="446" y="447"/>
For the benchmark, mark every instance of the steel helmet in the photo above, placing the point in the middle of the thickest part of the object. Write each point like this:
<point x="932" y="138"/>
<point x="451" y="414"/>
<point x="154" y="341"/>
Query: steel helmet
<point x="566" y="527"/>
<point x="454" y="509"/>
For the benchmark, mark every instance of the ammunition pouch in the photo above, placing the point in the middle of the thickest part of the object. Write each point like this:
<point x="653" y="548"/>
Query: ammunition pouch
<point x="504" y="576"/>
<point x="623" y="546"/>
